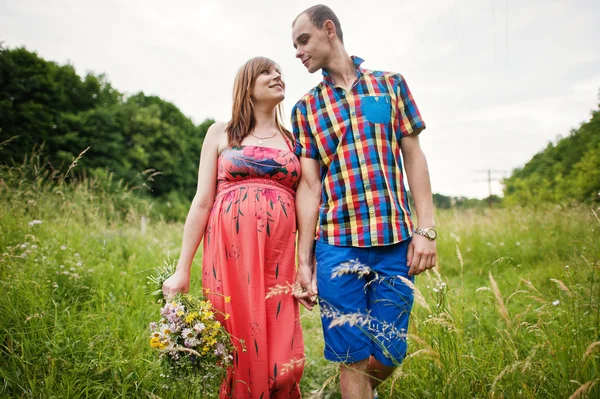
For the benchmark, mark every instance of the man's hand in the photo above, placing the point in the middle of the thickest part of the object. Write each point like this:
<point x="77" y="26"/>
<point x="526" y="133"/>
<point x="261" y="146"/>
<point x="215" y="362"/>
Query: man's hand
<point x="422" y="255"/>
<point x="306" y="286"/>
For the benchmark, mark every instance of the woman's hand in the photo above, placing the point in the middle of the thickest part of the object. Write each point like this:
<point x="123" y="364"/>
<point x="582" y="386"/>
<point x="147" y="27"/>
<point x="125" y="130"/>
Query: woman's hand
<point x="178" y="282"/>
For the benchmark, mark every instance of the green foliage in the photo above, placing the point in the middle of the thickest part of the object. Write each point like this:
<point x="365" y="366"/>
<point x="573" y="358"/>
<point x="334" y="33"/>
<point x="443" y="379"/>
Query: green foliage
<point x="564" y="172"/>
<point x="45" y="103"/>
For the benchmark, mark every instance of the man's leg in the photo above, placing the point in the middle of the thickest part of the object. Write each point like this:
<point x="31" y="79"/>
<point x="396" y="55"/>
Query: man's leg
<point x="354" y="380"/>
<point x="378" y="371"/>
<point x="390" y="302"/>
<point x="343" y="297"/>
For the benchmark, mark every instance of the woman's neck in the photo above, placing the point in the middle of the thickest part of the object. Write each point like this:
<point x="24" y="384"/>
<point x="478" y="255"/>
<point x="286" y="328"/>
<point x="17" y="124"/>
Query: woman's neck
<point x="265" y="118"/>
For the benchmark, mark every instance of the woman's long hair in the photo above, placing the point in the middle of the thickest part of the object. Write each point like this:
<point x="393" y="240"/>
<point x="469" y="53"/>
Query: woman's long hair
<point x="242" y="121"/>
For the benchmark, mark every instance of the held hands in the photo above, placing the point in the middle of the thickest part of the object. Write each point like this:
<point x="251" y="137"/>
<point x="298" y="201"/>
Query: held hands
<point x="422" y="255"/>
<point x="178" y="282"/>
<point x="305" y="290"/>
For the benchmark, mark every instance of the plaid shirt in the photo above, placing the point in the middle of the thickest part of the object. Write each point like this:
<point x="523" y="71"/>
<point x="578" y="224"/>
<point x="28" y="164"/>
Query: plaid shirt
<point x="355" y="136"/>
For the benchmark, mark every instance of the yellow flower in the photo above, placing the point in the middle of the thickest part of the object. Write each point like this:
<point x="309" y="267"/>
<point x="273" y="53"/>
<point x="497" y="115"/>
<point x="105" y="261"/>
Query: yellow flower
<point x="226" y="316"/>
<point x="155" y="342"/>
<point x="227" y="299"/>
<point x="180" y="313"/>
<point x="191" y="317"/>
<point x="206" y="290"/>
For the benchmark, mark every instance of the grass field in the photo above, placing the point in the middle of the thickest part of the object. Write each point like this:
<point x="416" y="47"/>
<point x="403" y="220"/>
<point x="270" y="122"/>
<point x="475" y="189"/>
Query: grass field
<point x="513" y="312"/>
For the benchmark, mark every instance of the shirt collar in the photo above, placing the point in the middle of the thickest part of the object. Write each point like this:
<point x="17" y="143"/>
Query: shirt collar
<point x="357" y="62"/>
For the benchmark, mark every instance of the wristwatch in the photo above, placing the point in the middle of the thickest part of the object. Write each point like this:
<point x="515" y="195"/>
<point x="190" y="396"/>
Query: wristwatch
<point x="429" y="232"/>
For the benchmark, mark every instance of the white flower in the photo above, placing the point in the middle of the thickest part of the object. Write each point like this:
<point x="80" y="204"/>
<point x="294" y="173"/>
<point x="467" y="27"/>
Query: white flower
<point x="63" y="247"/>
<point x="167" y="329"/>
<point x="567" y="266"/>
<point x="555" y="303"/>
<point x="188" y="333"/>
<point x="191" y="342"/>
<point x="199" y="327"/>
<point x="435" y="290"/>
<point x="34" y="222"/>
<point x="517" y="243"/>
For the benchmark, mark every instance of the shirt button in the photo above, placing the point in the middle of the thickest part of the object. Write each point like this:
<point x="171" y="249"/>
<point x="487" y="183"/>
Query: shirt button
<point x="362" y="161"/>
<point x="368" y="186"/>
<point x="372" y="211"/>
<point x="353" y="113"/>
<point x="357" y="136"/>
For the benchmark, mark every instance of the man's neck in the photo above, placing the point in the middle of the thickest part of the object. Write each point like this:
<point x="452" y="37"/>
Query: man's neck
<point x="341" y="69"/>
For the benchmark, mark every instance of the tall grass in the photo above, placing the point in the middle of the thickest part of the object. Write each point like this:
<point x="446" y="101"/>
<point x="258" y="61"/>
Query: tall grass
<point x="513" y="310"/>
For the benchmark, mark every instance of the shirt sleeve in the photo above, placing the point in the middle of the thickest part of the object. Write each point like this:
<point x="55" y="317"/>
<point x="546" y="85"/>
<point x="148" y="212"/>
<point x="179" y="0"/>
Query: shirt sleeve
<point x="408" y="118"/>
<point x="304" y="140"/>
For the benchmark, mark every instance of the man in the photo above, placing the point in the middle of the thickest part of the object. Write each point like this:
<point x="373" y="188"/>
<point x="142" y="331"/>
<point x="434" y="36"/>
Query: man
<point x="353" y="131"/>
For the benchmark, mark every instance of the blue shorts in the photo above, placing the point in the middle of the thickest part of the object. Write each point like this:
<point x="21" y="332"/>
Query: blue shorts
<point x="364" y="312"/>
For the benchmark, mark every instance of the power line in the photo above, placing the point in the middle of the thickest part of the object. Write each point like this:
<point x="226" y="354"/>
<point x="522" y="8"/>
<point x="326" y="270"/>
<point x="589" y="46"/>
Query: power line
<point x="489" y="179"/>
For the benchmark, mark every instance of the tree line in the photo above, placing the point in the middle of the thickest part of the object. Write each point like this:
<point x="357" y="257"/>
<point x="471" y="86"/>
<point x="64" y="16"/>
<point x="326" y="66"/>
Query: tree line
<point x="140" y="139"/>
<point x="565" y="171"/>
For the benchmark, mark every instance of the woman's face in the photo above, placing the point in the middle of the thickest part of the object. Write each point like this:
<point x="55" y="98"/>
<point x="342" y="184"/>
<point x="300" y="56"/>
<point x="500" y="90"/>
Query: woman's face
<point x="269" y="87"/>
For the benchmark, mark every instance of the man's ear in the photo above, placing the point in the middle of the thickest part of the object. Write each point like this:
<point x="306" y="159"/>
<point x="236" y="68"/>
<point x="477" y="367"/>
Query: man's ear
<point x="330" y="29"/>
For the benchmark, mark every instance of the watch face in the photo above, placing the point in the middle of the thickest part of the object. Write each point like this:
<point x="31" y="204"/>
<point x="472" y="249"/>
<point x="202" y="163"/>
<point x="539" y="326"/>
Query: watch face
<point x="431" y="233"/>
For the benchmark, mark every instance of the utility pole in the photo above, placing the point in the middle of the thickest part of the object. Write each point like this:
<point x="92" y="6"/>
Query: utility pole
<point x="489" y="180"/>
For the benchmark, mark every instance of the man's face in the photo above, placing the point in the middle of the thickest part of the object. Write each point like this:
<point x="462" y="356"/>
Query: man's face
<point x="311" y="43"/>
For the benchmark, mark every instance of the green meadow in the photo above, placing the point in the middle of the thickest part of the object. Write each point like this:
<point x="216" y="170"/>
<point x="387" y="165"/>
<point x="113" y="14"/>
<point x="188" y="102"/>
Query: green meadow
<point x="511" y="311"/>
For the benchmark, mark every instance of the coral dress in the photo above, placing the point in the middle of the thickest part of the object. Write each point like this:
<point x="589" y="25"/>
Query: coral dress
<point x="249" y="248"/>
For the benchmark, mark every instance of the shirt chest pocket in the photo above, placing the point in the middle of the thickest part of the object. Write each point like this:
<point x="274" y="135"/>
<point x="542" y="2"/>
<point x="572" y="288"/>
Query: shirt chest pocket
<point x="376" y="109"/>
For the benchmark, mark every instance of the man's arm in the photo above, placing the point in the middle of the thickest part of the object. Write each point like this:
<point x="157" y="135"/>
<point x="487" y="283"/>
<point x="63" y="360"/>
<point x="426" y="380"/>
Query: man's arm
<point x="422" y="253"/>
<point x="308" y="199"/>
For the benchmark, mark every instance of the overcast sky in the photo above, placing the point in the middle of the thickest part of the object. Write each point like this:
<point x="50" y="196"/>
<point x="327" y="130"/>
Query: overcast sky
<point x="495" y="80"/>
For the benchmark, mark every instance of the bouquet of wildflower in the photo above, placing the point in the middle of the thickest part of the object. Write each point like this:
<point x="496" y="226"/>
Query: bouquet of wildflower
<point x="190" y="341"/>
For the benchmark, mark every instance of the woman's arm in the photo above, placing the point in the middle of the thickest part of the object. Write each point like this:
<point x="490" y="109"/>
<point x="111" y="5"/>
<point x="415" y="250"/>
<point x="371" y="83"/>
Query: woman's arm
<point x="197" y="218"/>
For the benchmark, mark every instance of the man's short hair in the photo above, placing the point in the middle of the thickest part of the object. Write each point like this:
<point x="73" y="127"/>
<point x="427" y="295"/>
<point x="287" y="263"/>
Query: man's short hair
<point x="319" y="14"/>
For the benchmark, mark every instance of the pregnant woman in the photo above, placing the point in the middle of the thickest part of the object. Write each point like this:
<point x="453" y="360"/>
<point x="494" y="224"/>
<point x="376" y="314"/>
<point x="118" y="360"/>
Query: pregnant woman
<point x="244" y="209"/>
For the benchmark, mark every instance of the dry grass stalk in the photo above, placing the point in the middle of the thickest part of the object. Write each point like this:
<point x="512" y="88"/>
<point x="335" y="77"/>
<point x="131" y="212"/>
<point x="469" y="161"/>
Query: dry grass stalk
<point x="417" y="293"/>
<point x="460" y="258"/>
<point x="584" y="389"/>
<point x="500" y="302"/>
<point x="528" y="283"/>
<point x="562" y="286"/>
<point x="590" y="349"/>
<point x="74" y="164"/>
<point x="282" y="289"/>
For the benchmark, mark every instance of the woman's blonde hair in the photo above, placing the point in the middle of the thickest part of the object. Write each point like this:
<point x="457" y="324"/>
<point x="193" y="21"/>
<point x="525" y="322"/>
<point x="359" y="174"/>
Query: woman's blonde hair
<point x="242" y="121"/>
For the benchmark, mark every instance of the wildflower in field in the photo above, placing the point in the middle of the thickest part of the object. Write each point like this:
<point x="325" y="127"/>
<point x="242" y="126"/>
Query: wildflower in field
<point x="190" y="340"/>
<point x="63" y="247"/>
<point x="34" y="222"/>
<point x="555" y="303"/>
